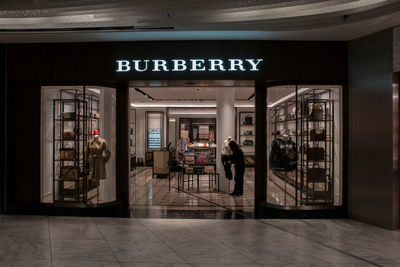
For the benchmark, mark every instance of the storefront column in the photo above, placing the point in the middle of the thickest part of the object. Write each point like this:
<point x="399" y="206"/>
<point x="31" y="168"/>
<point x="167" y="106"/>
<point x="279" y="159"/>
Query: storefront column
<point x="260" y="181"/>
<point x="122" y="156"/>
<point x="225" y="128"/>
<point x="3" y="89"/>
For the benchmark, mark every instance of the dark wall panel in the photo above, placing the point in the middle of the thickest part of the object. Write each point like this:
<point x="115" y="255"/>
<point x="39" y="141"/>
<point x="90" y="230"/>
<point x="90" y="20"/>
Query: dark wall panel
<point x="23" y="143"/>
<point x="284" y="61"/>
<point x="371" y="181"/>
<point x="2" y="121"/>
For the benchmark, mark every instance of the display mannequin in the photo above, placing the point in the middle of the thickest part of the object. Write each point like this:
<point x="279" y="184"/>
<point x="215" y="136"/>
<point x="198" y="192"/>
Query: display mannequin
<point x="97" y="155"/>
<point x="226" y="158"/>
<point x="226" y="150"/>
<point x="181" y="147"/>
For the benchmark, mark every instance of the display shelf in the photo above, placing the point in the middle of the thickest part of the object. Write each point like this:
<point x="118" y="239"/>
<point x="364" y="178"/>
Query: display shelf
<point x="70" y="182"/>
<point x="312" y="180"/>
<point x="132" y="140"/>
<point x="246" y="121"/>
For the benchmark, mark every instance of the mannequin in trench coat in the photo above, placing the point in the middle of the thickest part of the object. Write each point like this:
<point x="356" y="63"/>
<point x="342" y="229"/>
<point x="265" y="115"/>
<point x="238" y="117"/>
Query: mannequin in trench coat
<point x="98" y="155"/>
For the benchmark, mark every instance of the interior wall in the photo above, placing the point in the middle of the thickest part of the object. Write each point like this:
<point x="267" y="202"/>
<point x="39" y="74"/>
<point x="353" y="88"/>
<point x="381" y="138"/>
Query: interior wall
<point x="372" y="192"/>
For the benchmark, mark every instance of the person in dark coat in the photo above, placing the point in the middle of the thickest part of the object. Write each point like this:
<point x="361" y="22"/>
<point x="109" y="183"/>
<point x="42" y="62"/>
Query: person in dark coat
<point x="238" y="160"/>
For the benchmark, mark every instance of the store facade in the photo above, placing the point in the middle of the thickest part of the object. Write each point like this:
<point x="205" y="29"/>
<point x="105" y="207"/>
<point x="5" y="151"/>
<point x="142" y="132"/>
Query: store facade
<point x="37" y="72"/>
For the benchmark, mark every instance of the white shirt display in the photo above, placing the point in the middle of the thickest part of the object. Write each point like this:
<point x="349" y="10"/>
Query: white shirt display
<point x="181" y="145"/>
<point x="226" y="150"/>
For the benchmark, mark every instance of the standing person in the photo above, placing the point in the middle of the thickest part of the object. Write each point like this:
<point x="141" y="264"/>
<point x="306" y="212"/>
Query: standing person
<point x="238" y="160"/>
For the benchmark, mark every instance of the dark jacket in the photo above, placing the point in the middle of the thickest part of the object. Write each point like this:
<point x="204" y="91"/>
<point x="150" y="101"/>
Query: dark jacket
<point x="283" y="155"/>
<point x="238" y="160"/>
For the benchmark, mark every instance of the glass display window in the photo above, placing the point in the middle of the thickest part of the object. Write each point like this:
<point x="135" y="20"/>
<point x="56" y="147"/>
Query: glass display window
<point x="304" y="140"/>
<point x="78" y="145"/>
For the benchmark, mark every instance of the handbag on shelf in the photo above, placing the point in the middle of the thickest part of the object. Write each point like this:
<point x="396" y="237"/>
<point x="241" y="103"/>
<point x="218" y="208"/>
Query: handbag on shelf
<point x="198" y="169"/>
<point x="67" y="154"/>
<point x="140" y="162"/>
<point x="315" y="153"/>
<point x="318" y="135"/>
<point x="316" y="112"/>
<point x="203" y="158"/>
<point x="248" y="133"/>
<point x="248" y="120"/>
<point x="248" y="142"/>
<point x="209" y="169"/>
<point x="69" y="115"/>
<point x="69" y="135"/>
<point x="248" y="160"/>
<point x="316" y="174"/>
<point x="95" y="115"/>
<point x="189" y="159"/>
<point x="189" y="170"/>
<point x="69" y="173"/>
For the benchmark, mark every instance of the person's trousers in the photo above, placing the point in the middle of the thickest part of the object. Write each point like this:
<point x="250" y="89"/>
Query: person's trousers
<point x="238" y="183"/>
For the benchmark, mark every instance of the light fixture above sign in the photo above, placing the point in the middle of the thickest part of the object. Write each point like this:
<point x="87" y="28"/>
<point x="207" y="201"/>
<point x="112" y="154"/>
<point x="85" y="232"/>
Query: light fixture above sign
<point x="191" y="65"/>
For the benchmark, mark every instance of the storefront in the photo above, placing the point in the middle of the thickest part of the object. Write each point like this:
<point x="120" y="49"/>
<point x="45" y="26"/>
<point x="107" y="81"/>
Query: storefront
<point x="58" y="94"/>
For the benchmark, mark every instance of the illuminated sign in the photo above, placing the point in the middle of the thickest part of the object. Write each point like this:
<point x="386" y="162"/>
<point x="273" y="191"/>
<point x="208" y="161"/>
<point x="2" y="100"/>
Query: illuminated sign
<point x="192" y="65"/>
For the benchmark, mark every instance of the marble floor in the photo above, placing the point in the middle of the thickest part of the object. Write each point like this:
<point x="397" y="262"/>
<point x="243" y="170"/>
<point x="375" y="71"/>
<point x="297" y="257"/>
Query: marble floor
<point x="152" y="197"/>
<point x="76" y="241"/>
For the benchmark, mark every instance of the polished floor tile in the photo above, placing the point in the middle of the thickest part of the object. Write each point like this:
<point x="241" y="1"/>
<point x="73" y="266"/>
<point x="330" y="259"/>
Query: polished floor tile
<point x="25" y="263"/>
<point x="144" y="252"/>
<point x="81" y="250"/>
<point x="76" y="241"/>
<point x="73" y="263"/>
<point x="24" y="248"/>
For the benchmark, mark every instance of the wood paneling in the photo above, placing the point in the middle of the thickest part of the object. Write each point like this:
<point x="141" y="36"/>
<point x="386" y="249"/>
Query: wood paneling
<point x="370" y="137"/>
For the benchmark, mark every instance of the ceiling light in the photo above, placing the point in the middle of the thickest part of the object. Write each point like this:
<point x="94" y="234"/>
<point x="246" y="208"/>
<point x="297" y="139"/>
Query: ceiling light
<point x="288" y="97"/>
<point x="155" y="105"/>
<point x="200" y="112"/>
<point x="97" y="91"/>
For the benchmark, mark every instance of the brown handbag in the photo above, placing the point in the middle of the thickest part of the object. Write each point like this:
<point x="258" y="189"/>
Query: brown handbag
<point x="315" y="153"/>
<point x="67" y="154"/>
<point x="69" y="135"/>
<point x="316" y="174"/>
<point x="317" y="135"/>
<point x="209" y="169"/>
<point x="69" y="173"/>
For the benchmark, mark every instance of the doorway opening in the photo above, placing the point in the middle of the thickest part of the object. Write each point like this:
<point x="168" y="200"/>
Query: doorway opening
<point x="178" y="132"/>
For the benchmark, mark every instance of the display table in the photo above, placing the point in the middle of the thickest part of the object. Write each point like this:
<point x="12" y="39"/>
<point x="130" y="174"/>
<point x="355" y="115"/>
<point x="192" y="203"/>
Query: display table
<point x="195" y="176"/>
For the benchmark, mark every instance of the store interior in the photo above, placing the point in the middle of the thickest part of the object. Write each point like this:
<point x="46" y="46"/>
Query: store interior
<point x="180" y="118"/>
<point x="179" y="134"/>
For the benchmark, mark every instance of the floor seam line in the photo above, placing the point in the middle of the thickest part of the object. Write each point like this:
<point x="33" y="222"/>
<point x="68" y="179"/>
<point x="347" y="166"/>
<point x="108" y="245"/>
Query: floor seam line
<point x="108" y="244"/>
<point x="162" y="241"/>
<point x="320" y="243"/>
<point x="51" y="249"/>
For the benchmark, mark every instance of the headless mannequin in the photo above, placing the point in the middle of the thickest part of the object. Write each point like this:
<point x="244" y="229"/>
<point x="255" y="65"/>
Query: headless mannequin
<point x="226" y="158"/>
<point x="98" y="155"/>
<point x="226" y="150"/>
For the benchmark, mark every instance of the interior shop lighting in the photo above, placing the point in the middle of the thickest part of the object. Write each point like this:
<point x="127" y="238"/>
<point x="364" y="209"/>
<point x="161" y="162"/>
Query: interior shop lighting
<point x="172" y="120"/>
<point x="143" y="93"/>
<point x="143" y="105"/>
<point x="301" y="90"/>
<point x="97" y="91"/>
<point x="193" y="112"/>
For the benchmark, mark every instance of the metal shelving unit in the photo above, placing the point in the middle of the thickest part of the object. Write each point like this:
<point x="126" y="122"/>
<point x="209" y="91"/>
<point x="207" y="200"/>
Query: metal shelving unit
<point x="75" y="116"/>
<point x="247" y="133"/>
<point x="299" y="185"/>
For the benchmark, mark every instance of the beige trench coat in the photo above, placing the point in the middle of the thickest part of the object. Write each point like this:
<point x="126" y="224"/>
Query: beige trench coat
<point x="98" y="155"/>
